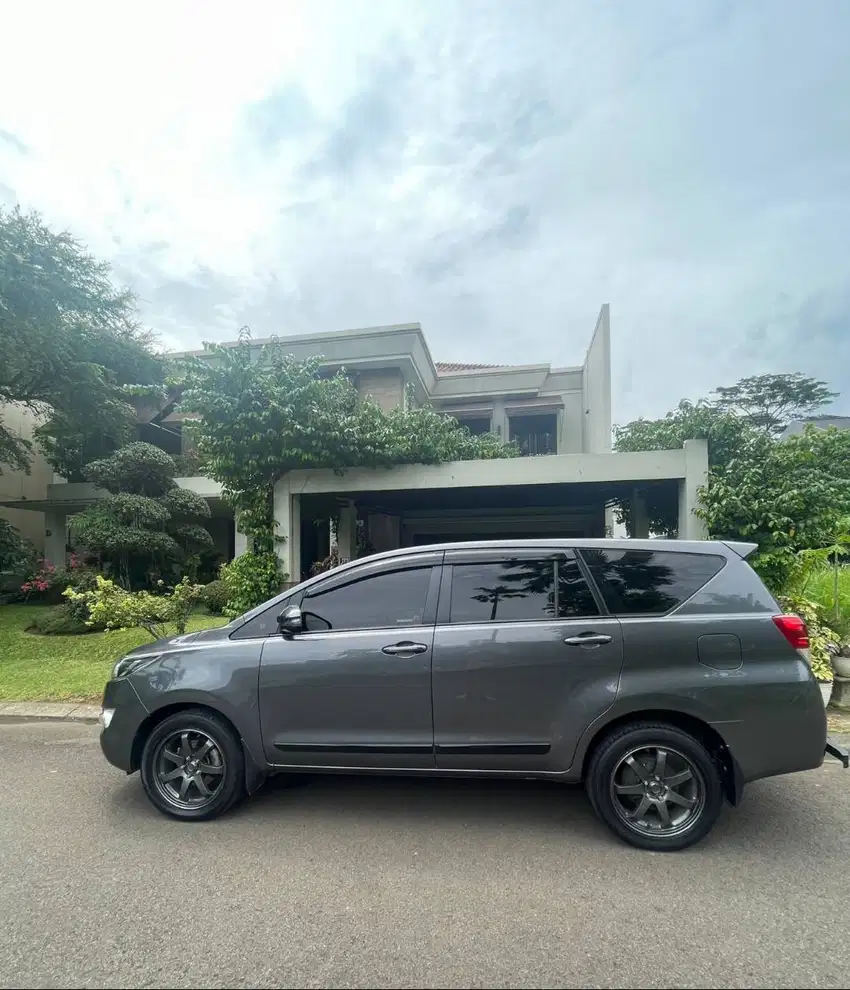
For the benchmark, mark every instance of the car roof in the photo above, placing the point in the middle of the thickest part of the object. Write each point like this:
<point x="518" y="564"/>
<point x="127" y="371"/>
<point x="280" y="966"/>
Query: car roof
<point x="715" y="547"/>
<point x="611" y="543"/>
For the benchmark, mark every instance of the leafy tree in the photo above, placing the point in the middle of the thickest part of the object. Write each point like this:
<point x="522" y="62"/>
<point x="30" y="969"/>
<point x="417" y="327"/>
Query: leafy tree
<point x="790" y="495"/>
<point x="16" y="553"/>
<point x="261" y="416"/>
<point x="146" y="525"/>
<point x="786" y="495"/>
<point x="728" y="435"/>
<point x="71" y="346"/>
<point x="770" y="402"/>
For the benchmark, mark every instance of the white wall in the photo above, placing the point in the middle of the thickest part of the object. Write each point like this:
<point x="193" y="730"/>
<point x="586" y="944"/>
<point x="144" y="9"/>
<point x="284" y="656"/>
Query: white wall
<point x="596" y="392"/>
<point x="571" y="432"/>
<point x="18" y="484"/>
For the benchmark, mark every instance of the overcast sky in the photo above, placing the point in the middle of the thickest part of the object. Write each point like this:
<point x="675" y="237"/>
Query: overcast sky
<point x="494" y="170"/>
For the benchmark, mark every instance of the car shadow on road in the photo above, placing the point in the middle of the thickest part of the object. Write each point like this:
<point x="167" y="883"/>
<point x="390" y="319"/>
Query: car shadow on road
<point x="779" y="808"/>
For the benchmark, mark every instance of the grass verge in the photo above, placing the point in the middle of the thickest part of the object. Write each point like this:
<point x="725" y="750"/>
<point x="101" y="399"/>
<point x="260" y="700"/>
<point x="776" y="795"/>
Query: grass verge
<point x="63" y="668"/>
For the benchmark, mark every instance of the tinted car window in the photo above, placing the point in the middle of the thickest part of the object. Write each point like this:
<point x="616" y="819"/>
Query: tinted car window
<point x="262" y="625"/>
<point x="519" y="589"/>
<point x="647" y="582"/>
<point x="396" y="598"/>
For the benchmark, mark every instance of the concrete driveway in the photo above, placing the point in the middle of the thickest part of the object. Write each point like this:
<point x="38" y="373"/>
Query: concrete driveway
<point x="363" y="882"/>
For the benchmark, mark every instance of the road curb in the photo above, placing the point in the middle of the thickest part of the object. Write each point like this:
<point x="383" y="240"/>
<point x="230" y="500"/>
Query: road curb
<point x="32" y="711"/>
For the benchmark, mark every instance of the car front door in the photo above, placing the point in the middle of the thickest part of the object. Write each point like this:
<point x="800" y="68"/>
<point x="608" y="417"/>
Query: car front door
<point x="354" y="688"/>
<point x="524" y="659"/>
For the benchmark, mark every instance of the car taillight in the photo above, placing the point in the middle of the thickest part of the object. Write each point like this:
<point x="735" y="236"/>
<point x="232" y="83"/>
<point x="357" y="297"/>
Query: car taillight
<point x="793" y="629"/>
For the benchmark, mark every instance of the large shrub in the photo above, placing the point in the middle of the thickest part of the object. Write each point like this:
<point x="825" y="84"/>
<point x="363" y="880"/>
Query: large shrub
<point x="16" y="553"/>
<point x="147" y="526"/>
<point x="62" y="620"/>
<point x="214" y="597"/>
<point x="160" y="615"/>
<point x="250" y="580"/>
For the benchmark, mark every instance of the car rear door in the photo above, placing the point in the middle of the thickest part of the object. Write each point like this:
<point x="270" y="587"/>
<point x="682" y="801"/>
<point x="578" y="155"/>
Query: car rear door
<point x="524" y="658"/>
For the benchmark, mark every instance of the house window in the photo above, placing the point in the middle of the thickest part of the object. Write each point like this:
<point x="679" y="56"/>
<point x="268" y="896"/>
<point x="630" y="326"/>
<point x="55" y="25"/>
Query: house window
<point x="535" y="434"/>
<point x="477" y="425"/>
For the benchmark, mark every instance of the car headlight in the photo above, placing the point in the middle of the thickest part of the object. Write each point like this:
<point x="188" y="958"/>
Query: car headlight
<point x="129" y="665"/>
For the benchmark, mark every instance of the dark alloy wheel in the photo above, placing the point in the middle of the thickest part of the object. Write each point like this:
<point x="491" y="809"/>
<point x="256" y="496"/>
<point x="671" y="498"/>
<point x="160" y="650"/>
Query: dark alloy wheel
<point x="192" y="765"/>
<point x="655" y="786"/>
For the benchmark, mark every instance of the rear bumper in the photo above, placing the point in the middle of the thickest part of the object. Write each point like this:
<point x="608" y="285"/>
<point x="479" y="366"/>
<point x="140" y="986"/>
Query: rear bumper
<point x="128" y="713"/>
<point x="777" y="739"/>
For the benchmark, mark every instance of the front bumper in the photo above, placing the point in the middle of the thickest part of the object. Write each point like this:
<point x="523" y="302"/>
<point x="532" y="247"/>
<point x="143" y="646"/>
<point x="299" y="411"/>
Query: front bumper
<point x="128" y="713"/>
<point x="838" y="751"/>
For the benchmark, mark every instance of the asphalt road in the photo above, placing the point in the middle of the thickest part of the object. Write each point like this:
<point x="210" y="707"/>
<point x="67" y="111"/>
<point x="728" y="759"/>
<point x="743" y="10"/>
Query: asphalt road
<point x="358" y="882"/>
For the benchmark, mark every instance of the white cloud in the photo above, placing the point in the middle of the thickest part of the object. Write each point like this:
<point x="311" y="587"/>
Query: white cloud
<point x="494" y="170"/>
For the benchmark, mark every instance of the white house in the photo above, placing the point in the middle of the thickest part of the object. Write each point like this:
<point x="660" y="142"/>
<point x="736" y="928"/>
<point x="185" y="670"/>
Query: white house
<point x="560" y="417"/>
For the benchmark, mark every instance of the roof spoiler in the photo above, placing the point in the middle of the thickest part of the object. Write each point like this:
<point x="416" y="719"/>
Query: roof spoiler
<point x="743" y="550"/>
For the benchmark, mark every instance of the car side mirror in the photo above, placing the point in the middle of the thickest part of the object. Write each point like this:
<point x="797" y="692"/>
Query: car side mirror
<point x="290" y="621"/>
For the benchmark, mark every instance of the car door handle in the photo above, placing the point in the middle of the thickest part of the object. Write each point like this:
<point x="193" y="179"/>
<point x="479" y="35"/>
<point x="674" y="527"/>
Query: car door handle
<point x="405" y="649"/>
<point x="588" y="639"/>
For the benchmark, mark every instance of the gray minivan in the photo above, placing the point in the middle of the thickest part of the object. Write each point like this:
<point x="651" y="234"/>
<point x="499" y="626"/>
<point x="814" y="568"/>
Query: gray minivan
<point x="661" y="674"/>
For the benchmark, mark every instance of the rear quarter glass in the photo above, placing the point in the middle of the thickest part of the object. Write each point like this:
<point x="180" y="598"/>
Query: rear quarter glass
<point x="640" y="582"/>
<point x="735" y="589"/>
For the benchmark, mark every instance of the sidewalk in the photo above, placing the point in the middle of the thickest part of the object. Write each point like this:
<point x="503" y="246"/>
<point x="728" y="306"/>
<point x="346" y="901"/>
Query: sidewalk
<point x="68" y="711"/>
<point x="839" y="728"/>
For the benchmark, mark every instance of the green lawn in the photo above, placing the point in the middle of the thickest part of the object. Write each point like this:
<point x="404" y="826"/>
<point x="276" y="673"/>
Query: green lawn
<point x="63" y="668"/>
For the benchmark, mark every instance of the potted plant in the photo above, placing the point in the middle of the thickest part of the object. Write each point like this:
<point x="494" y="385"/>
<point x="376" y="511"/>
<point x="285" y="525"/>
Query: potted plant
<point x="841" y="661"/>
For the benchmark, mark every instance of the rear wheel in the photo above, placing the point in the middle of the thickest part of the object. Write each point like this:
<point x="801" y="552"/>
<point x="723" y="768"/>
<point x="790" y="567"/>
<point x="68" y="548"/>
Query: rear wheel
<point x="655" y="786"/>
<point x="192" y="765"/>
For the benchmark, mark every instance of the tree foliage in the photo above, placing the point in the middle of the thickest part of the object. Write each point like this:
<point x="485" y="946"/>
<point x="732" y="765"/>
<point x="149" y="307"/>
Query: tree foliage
<point x="728" y="435"/>
<point x="249" y="580"/>
<point x="787" y="496"/>
<point x="146" y="525"/>
<point x="71" y="346"/>
<point x="262" y="415"/>
<point x="770" y="402"/>
<point x="17" y="554"/>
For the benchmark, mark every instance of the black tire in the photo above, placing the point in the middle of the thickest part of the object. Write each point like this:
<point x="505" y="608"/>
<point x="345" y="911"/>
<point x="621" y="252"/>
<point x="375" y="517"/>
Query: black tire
<point x="629" y="788"/>
<point x="212" y="772"/>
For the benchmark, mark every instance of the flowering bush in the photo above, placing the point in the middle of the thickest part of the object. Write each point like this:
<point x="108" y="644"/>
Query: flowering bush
<point x="41" y="581"/>
<point x="48" y="582"/>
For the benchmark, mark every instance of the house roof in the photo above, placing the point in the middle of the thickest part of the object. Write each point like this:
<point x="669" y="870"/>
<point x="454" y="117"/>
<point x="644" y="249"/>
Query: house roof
<point x="446" y="367"/>
<point x="821" y="422"/>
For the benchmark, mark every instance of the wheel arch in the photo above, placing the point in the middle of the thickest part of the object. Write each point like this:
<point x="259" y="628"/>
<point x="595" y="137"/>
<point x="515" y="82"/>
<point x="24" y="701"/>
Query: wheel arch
<point x="730" y="772"/>
<point x="253" y="773"/>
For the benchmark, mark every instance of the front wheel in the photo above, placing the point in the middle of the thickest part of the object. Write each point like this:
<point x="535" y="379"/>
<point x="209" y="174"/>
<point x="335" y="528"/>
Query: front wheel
<point x="192" y="765"/>
<point x="655" y="786"/>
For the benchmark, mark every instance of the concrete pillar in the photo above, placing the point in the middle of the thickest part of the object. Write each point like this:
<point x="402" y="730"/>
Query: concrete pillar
<point x="55" y="537"/>
<point x="347" y="532"/>
<point x="287" y="517"/>
<point x="240" y="539"/>
<point x="500" y="423"/>
<point x="640" y="519"/>
<point x="691" y="527"/>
